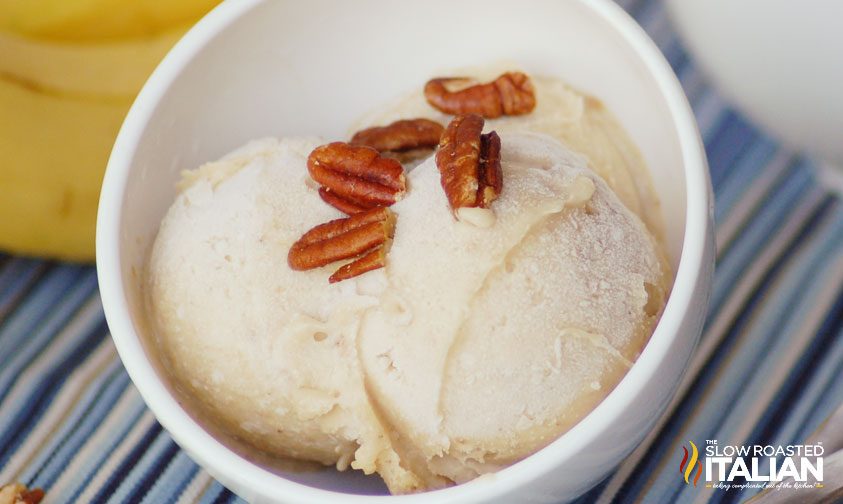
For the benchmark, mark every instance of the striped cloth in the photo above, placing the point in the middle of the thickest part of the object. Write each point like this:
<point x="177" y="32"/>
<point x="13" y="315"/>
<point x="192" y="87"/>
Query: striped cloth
<point x="767" y="371"/>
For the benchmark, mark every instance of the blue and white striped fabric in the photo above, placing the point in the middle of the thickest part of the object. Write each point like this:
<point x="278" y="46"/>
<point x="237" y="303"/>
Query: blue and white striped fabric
<point x="768" y="369"/>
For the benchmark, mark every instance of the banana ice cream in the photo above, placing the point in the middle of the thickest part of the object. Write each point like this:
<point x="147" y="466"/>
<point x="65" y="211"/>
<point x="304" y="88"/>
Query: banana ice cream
<point x="485" y="335"/>
<point x="269" y="353"/>
<point x="578" y="120"/>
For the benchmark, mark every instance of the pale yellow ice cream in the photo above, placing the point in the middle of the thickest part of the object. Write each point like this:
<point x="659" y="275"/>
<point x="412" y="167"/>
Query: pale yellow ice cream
<point x="269" y="352"/>
<point x="578" y="120"/>
<point x="480" y="342"/>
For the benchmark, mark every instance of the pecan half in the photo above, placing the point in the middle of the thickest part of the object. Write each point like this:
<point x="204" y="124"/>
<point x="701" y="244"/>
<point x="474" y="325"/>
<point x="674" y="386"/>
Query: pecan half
<point x="510" y="94"/>
<point x="469" y="163"/>
<point x="363" y="236"/>
<point x="15" y="493"/>
<point x="356" y="177"/>
<point x="371" y="261"/>
<point x="401" y="136"/>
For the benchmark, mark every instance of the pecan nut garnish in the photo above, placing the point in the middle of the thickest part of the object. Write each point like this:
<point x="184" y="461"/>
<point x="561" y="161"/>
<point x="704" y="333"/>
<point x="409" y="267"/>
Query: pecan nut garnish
<point x="362" y="237"/>
<point x="15" y="493"/>
<point x="401" y="136"/>
<point x="469" y="163"/>
<point x="355" y="178"/>
<point x="510" y="94"/>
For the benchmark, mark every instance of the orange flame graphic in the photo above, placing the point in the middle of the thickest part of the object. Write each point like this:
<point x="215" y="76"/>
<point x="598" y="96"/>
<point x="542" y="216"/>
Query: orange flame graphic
<point x="692" y="464"/>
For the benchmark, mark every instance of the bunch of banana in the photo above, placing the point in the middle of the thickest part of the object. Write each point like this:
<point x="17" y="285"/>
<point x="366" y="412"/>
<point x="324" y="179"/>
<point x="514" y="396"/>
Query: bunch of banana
<point x="69" y="70"/>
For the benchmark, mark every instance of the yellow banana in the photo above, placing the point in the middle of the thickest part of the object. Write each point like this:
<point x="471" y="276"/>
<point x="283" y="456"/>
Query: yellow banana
<point x="53" y="152"/>
<point x="113" y="70"/>
<point x="61" y="106"/>
<point x="97" y="20"/>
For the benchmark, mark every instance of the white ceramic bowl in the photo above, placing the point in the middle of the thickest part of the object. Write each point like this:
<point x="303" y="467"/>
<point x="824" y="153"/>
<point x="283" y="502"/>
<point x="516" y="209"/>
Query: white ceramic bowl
<point x="253" y="68"/>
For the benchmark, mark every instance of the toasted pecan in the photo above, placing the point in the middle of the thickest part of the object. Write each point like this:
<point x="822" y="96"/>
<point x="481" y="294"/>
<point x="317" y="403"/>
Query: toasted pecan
<point x="510" y="94"/>
<point x="361" y="234"/>
<point x="469" y="163"/>
<point x="371" y="261"/>
<point x="341" y="204"/>
<point x="356" y="174"/>
<point x="401" y="136"/>
<point x="16" y="493"/>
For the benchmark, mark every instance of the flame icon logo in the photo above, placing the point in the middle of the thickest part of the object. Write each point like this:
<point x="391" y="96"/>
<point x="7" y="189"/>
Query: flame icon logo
<point x="686" y="470"/>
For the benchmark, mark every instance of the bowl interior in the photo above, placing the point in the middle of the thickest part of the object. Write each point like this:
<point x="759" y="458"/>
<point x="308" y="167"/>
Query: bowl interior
<point x="295" y="68"/>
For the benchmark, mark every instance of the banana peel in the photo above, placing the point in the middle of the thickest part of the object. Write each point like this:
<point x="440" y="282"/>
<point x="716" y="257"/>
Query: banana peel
<point x="97" y="20"/>
<point x="53" y="152"/>
<point x="61" y="106"/>
<point x="94" y="71"/>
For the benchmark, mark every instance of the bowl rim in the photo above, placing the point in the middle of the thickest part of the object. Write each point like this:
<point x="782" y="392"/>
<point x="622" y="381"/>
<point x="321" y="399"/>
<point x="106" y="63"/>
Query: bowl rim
<point x="230" y="467"/>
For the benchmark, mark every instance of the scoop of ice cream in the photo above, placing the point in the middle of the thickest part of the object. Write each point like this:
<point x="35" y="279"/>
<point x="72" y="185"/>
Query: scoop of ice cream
<point x="482" y="340"/>
<point x="580" y="121"/>
<point x="268" y="353"/>
<point x="490" y="342"/>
